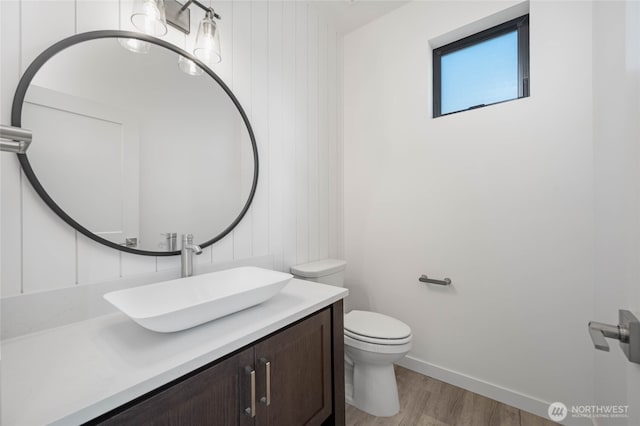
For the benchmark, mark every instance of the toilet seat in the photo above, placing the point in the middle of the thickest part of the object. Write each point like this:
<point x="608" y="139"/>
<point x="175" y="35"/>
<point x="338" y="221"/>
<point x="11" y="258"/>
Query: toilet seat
<point x="375" y="341"/>
<point x="375" y="328"/>
<point x="350" y="342"/>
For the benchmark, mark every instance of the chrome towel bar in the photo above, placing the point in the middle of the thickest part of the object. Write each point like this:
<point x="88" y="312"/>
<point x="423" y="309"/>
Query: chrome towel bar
<point x="426" y="279"/>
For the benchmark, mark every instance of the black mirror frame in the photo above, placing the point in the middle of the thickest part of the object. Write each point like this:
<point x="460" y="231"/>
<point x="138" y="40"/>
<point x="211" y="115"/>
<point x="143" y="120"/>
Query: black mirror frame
<point x="16" y="120"/>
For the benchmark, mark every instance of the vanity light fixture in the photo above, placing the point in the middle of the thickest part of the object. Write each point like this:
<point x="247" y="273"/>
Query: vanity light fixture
<point x="14" y="139"/>
<point x="149" y="17"/>
<point x="208" y="40"/>
<point x="207" y="47"/>
<point x="179" y="15"/>
<point x="135" y="45"/>
<point x="152" y="16"/>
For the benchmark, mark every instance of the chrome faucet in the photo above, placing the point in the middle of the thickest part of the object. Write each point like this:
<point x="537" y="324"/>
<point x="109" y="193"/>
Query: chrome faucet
<point x="187" y="253"/>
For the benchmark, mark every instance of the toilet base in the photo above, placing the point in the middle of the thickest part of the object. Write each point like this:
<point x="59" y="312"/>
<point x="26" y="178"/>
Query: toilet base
<point x="374" y="389"/>
<point x="348" y="380"/>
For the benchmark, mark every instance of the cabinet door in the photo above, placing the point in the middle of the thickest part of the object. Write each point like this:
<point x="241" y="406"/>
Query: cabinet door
<point x="218" y="395"/>
<point x="300" y="374"/>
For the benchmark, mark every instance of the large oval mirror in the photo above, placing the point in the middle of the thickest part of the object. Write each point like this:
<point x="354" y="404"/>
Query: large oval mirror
<point x="128" y="148"/>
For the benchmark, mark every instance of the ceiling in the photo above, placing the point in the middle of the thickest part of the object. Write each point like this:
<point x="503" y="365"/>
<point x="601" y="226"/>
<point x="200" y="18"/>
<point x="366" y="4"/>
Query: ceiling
<point x="352" y="14"/>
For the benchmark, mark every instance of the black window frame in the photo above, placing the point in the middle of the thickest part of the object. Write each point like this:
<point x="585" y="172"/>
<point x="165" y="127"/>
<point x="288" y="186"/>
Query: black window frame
<point x="520" y="24"/>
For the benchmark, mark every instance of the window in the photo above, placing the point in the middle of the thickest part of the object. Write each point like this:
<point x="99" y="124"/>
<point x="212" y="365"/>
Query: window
<point x="486" y="68"/>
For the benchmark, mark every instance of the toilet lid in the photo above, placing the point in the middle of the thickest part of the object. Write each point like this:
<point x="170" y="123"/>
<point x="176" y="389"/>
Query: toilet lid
<point x="375" y="325"/>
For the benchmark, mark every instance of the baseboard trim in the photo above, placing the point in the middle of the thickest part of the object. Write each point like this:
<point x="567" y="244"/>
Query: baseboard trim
<point x="481" y="387"/>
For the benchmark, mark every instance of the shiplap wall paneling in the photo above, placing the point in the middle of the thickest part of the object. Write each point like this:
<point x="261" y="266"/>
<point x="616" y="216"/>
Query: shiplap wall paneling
<point x="241" y="66"/>
<point x="289" y="105"/>
<point x="276" y="132"/>
<point x="312" y="134"/>
<point x="95" y="262"/>
<point x="94" y="15"/>
<point x="260" y="123"/>
<point x="223" y="250"/>
<point x="334" y="126"/>
<point x="323" y="142"/>
<point x="301" y="134"/>
<point x="132" y="264"/>
<point x="46" y="239"/>
<point x="278" y="57"/>
<point x="10" y="169"/>
<point x="197" y="15"/>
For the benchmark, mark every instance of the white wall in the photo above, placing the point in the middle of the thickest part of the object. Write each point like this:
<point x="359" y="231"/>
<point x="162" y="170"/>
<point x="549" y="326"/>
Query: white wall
<point x="616" y="43"/>
<point x="499" y="199"/>
<point x="280" y="60"/>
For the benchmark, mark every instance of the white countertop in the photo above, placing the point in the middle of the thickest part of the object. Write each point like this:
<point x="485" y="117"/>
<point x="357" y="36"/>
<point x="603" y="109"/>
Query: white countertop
<point x="71" y="374"/>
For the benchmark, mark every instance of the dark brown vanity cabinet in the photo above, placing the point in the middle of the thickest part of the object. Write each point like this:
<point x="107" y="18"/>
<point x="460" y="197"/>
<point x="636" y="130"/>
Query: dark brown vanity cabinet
<point x="292" y="377"/>
<point x="297" y="363"/>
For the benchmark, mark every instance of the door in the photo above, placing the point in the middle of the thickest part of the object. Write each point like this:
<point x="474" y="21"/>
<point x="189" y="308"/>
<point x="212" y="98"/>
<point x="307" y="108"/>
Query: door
<point x="294" y="374"/>
<point x="219" y="395"/>
<point x="616" y="50"/>
<point x="107" y="139"/>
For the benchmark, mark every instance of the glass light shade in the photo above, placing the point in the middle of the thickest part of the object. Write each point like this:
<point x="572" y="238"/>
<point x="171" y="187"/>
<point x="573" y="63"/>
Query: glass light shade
<point x="208" y="41"/>
<point x="135" y="45"/>
<point x="149" y="17"/>
<point x="189" y="67"/>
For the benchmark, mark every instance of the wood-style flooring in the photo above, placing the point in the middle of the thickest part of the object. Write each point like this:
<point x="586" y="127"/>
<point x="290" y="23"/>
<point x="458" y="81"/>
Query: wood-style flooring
<point x="429" y="402"/>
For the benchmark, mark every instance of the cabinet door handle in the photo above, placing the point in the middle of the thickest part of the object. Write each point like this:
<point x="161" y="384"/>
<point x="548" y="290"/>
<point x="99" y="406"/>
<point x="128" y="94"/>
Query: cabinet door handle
<point x="251" y="411"/>
<point x="267" y="365"/>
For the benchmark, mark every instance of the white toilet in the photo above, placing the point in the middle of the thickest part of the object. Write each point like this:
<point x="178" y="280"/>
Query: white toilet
<point x="373" y="342"/>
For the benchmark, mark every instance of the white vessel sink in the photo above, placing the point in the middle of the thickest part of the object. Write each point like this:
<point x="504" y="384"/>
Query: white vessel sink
<point x="184" y="303"/>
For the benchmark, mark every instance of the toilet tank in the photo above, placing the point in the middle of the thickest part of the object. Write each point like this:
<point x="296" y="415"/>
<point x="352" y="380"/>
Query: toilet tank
<point x="325" y="271"/>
